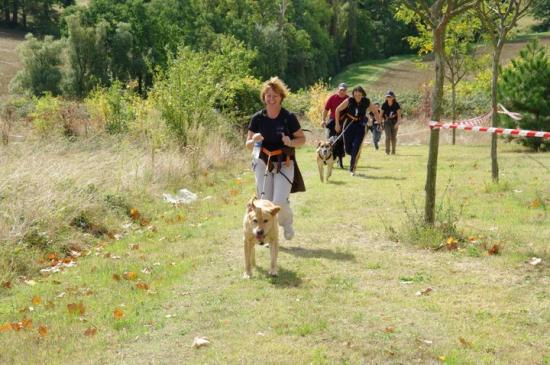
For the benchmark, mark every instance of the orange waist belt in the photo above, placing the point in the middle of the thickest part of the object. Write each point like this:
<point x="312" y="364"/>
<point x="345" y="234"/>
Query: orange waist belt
<point x="278" y="152"/>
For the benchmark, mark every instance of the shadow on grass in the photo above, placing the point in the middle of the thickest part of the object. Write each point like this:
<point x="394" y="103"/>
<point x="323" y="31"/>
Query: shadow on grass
<point x="286" y="278"/>
<point x="372" y="177"/>
<point x="318" y="253"/>
<point x="336" y="182"/>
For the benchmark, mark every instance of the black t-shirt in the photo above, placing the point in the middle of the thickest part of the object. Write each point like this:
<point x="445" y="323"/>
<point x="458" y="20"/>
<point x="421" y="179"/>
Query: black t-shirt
<point x="390" y="111"/>
<point x="272" y="129"/>
<point x="358" y="110"/>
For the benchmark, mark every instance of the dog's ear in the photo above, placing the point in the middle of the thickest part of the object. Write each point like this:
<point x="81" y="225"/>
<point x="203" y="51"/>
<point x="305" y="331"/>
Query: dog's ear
<point x="274" y="210"/>
<point x="318" y="143"/>
<point x="250" y="205"/>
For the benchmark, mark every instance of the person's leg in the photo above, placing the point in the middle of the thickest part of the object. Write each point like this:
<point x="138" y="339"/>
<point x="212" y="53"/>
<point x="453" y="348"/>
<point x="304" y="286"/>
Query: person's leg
<point x="357" y="144"/>
<point x="281" y="192"/>
<point x="388" y="131"/>
<point x="376" y="135"/>
<point x="394" y="140"/>
<point x="267" y="188"/>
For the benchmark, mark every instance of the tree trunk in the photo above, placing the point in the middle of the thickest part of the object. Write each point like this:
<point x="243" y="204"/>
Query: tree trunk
<point x="24" y="14"/>
<point x="6" y="6"/>
<point x="453" y="106"/>
<point x="495" y="117"/>
<point x="15" y="12"/>
<point x="437" y="97"/>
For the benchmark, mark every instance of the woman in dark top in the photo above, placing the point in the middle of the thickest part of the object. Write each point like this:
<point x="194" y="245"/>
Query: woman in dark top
<point x="279" y="132"/>
<point x="391" y="114"/>
<point x="356" y="108"/>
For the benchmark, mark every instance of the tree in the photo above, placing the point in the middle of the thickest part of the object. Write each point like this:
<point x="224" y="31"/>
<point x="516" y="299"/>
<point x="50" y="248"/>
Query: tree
<point x="42" y="62"/>
<point x="525" y="87"/>
<point x="459" y="55"/>
<point x="540" y="10"/>
<point x="498" y="19"/>
<point x="87" y="56"/>
<point x="436" y="16"/>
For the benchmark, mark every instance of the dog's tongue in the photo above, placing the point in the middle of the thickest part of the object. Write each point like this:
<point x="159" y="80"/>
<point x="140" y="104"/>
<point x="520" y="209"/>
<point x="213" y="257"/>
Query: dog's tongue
<point x="259" y="237"/>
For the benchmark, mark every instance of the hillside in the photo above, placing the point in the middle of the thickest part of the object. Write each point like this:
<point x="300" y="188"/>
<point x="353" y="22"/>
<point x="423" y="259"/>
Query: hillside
<point x="9" y="59"/>
<point x="409" y="73"/>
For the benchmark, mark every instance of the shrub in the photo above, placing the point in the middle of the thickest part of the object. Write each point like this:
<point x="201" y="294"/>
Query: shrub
<point x="46" y="116"/>
<point x="41" y="71"/>
<point x="525" y="87"/>
<point x="196" y="83"/>
<point x="112" y="109"/>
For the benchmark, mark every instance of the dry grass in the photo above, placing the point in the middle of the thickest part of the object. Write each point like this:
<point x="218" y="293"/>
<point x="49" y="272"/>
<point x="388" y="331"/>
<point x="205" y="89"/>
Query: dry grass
<point x="45" y="184"/>
<point x="9" y="59"/>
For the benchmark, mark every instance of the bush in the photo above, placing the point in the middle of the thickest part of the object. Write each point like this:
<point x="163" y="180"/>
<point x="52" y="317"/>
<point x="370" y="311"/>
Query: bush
<point x="525" y="86"/>
<point x="196" y="83"/>
<point x="41" y="71"/>
<point x="112" y="109"/>
<point x="46" y="116"/>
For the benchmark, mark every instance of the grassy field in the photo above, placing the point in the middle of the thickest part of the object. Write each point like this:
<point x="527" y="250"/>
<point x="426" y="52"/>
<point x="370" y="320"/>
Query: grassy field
<point x="409" y="73"/>
<point x="347" y="290"/>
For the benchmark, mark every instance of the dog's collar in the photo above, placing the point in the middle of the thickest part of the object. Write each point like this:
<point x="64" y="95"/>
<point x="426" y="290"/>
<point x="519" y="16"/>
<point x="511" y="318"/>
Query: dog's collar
<point x="325" y="159"/>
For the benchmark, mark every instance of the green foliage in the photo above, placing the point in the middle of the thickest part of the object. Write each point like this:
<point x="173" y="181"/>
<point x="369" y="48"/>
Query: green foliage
<point x="46" y="116"/>
<point x="87" y="56"/>
<point x="540" y="9"/>
<point x="112" y="108"/>
<point x="41" y="71"/>
<point x="197" y="82"/>
<point x="525" y="87"/>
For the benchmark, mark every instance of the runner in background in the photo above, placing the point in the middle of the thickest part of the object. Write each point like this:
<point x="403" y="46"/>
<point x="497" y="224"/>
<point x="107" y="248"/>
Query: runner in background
<point x="375" y="127"/>
<point x="391" y="114"/>
<point x="330" y="106"/>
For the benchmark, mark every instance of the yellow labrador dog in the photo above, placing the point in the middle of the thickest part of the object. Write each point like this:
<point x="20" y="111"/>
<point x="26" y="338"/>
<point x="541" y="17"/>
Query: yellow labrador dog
<point x="325" y="157"/>
<point x="260" y="225"/>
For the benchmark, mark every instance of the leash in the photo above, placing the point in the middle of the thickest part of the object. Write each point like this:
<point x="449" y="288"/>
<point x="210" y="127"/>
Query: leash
<point x="265" y="176"/>
<point x="342" y="134"/>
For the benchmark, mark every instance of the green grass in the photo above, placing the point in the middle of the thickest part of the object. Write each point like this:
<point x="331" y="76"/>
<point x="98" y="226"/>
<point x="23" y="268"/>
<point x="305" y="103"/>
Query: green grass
<point x="345" y="294"/>
<point x="362" y="73"/>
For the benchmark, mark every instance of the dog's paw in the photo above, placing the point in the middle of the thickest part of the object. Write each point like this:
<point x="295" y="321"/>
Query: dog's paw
<point x="273" y="273"/>
<point x="246" y="275"/>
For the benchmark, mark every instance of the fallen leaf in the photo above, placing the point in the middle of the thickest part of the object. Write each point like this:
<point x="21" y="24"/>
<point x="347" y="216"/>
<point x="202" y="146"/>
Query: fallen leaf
<point x="134" y="246"/>
<point x="465" y="343"/>
<point x="52" y="256"/>
<point x="452" y="243"/>
<point x="234" y="192"/>
<point x="200" y="342"/>
<point x="5" y="327"/>
<point x="26" y="323"/>
<point x="424" y="292"/>
<point x="142" y="285"/>
<point x="535" y="203"/>
<point x="130" y="275"/>
<point x="6" y="285"/>
<point x="76" y="308"/>
<point x="36" y="300"/>
<point x="535" y="261"/>
<point x="116" y="277"/>
<point x="135" y="214"/>
<point x="389" y="329"/>
<point x="147" y="270"/>
<point x="90" y="331"/>
<point x="118" y="313"/>
<point x="494" y="250"/>
<point x="43" y="330"/>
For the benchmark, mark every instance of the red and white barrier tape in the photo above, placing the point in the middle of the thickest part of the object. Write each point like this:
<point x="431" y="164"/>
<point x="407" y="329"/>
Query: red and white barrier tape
<point x="512" y="132"/>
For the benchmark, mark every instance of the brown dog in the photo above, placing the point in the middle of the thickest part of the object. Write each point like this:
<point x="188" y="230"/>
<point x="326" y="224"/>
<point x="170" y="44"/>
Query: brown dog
<point x="325" y="157"/>
<point x="260" y="225"/>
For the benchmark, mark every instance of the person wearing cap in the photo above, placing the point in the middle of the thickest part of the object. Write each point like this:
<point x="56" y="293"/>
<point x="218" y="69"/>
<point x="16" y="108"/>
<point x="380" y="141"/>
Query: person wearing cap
<point x="391" y="114"/>
<point x="330" y="106"/>
<point x="354" y="109"/>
